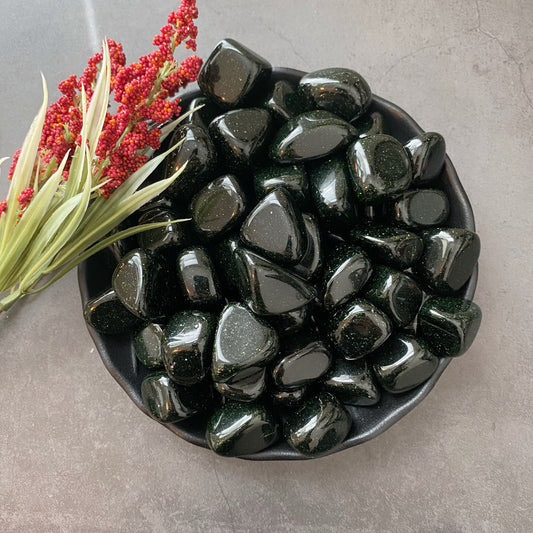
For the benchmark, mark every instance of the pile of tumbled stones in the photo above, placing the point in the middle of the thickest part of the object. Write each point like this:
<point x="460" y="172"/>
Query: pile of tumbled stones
<point x="316" y="270"/>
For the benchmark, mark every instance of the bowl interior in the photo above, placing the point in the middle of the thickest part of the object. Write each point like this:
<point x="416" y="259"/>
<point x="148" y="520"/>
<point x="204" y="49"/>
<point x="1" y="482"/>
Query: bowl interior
<point x="117" y="354"/>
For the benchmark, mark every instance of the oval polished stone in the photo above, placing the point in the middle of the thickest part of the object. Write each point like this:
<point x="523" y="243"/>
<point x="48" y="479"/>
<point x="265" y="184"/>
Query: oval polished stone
<point x="269" y="289"/>
<point x="318" y="426"/>
<point x="311" y="135"/>
<point x="187" y="346"/>
<point x="311" y="262"/>
<point x="379" y="166"/>
<point x="166" y="238"/>
<point x="395" y="293"/>
<point x="352" y="382"/>
<point x="427" y="152"/>
<point x="284" y="102"/>
<point x="358" y="329"/>
<point x="147" y="346"/>
<point x="242" y="341"/>
<point x="197" y="278"/>
<point x="339" y="90"/>
<point x="198" y="152"/>
<point x="218" y="207"/>
<point x="369" y="124"/>
<point x="449" y="325"/>
<point x="237" y="429"/>
<point x="275" y="228"/>
<point x="244" y="386"/>
<point x="293" y="178"/>
<point x="395" y="247"/>
<point x="449" y="258"/>
<point x="420" y="208"/>
<point x="347" y="270"/>
<point x="231" y="72"/>
<point x="403" y="363"/>
<point x="240" y="137"/>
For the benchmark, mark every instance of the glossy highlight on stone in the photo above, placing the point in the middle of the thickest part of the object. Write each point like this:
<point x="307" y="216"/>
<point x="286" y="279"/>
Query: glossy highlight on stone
<point x="420" y="208"/>
<point x="291" y="177"/>
<point x="427" y="152"/>
<point x="284" y="102"/>
<point x="370" y="124"/>
<point x="206" y="111"/>
<point x="166" y="239"/>
<point x="244" y="386"/>
<point x="311" y="262"/>
<point x="147" y="346"/>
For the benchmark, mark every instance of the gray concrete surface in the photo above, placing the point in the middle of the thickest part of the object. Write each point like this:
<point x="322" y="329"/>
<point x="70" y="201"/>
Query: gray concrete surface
<point x="76" y="455"/>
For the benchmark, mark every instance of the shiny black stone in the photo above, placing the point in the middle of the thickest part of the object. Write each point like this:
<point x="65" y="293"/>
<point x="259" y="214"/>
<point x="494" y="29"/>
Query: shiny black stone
<point x="231" y="72"/>
<point x="311" y="135"/>
<point x="352" y="382"/>
<point x="395" y="247"/>
<point x="166" y="238"/>
<point x="449" y="258"/>
<point x="395" y="293"/>
<point x="240" y="137"/>
<point x="269" y="289"/>
<point x="332" y="194"/>
<point x="347" y="270"/>
<point x="242" y="341"/>
<point x="420" y="208"/>
<point x="147" y="346"/>
<point x="203" y="116"/>
<point x="275" y="228"/>
<point x="369" y="124"/>
<point x="318" y="426"/>
<point x="241" y="429"/>
<point x="339" y="90"/>
<point x="292" y="177"/>
<point x="197" y="278"/>
<point x="379" y="166"/>
<point x="358" y="329"/>
<point x="168" y="402"/>
<point x="291" y="322"/>
<point x="449" y="325"/>
<point x="427" y="152"/>
<point x="403" y="363"/>
<point x="288" y="398"/>
<point x="284" y="102"/>
<point x="218" y="207"/>
<point x="226" y="262"/>
<point x="311" y="261"/>
<point x="198" y="151"/>
<point x="108" y="315"/>
<point x="244" y="386"/>
<point x="187" y="346"/>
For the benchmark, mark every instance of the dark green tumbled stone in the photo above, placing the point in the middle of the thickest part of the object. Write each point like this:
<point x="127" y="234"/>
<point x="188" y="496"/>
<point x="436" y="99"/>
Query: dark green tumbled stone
<point x="168" y="402"/>
<point x="311" y="262"/>
<point x="275" y="228"/>
<point x="242" y="341"/>
<point x="395" y="247"/>
<point x="369" y="124"/>
<point x="147" y="346"/>
<point x="358" y="328"/>
<point x="241" y="429"/>
<point x="427" y="152"/>
<point x="198" y="279"/>
<point x="339" y="90"/>
<point x="284" y="102"/>
<point x="288" y="398"/>
<point x="395" y="293"/>
<point x="347" y="270"/>
<point x="379" y="166"/>
<point x="292" y="177"/>
<point x="419" y="208"/>
<point x="290" y="322"/>
<point x="311" y="135"/>
<point x="166" y="238"/>
<point x="352" y="382"/>
<point x="218" y="207"/>
<point x="403" y="363"/>
<point x="231" y="72"/>
<point x="106" y="314"/>
<point x="269" y="289"/>
<point x="449" y="325"/>
<point x="332" y="194"/>
<point x="449" y="258"/>
<point x="240" y="137"/>
<point x="187" y="346"/>
<point x="318" y="426"/>
<point x="201" y="117"/>
<point x="198" y="152"/>
<point x="244" y="386"/>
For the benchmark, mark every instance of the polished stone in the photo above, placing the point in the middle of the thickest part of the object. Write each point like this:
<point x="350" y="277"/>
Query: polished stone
<point x="449" y="325"/>
<point x="206" y="111"/>
<point x="244" y="386"/>
<point x="165" y="239"/>
<point x="427" y="152"/>
<point x="358" y="328"/>
<point x="290" y="398"/>
<point x="339" y="90"/>
<point x="147" y="346"/>
<point x="370" y="124"/>
<point x="242" y="341"/>
<point x="238" y="428"/>
<point x="379" y="166"/>
<point x="292" y="177"/>
<point x="284" y="102"/>
<point x="218" y="207"/>
<point x="311" y="135"/>
<point x="449" y="258"/>
<point x="419" y="208"/>
<point x="226" y="263"/>
<point x="403" y="363"/>
<point x="231" y="72"/>
<point x="291" y="322"/>
<point x="395" y="293"/>
<point x="310" y="264"/>
<point x="318" y="426"/>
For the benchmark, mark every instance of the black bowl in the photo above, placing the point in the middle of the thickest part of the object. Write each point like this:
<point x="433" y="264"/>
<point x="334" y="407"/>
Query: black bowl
<point x="117" y="354"/>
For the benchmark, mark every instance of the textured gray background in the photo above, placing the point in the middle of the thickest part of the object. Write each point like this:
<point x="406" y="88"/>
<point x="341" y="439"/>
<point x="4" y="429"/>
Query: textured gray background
<point x="76" y="455"/>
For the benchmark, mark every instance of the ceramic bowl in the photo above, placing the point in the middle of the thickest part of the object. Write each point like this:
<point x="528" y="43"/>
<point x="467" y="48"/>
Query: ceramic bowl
<point x="117" y="354"/>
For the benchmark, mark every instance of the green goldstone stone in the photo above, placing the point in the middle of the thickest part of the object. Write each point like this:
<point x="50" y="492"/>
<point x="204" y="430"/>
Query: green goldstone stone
<point x="289" y="398"/>
<point x="419" y="208"/>
<point x="292" y="177"/>
<point x="311" y="261"/>
<point x="203" y="116"/>
<point x="427" y="152"/>
<point x="147" y="346"/>
<point x="244" y="386"/>
<point x="369" y="124"/>
<point x="284" y="102"/>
